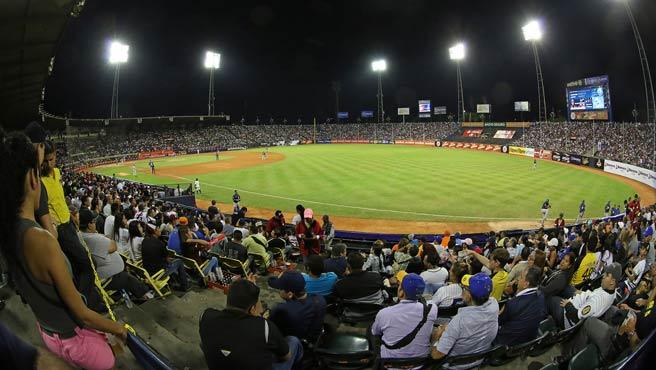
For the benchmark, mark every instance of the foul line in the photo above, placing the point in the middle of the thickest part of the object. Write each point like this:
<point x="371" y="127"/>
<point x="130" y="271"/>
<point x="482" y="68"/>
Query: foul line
<point x="362" y="208"/>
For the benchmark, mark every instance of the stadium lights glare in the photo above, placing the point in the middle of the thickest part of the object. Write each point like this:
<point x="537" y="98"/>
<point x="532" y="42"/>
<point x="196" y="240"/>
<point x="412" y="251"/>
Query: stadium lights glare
<point x="457" y="52"/>
<point x="118" y="52"/>
<point x="212" y="60"/>
<point x="379" y="65"/>
<point x="532" y="31"/>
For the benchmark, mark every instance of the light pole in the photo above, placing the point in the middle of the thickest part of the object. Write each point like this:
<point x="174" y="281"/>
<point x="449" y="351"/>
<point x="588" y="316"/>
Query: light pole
<point x="212" y="62"/>
<point x="533" y="34"/>
<point x="118" y="54"/>
<point x="379" y="66"/>
<point x="457" y="53"/>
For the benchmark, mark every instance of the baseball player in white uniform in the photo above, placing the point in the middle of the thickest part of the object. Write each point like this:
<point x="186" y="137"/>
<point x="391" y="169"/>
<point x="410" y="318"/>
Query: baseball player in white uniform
<point x="197" y="186"/>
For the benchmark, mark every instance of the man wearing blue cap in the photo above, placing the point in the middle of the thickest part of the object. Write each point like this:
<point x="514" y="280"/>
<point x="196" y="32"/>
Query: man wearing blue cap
<point x="302" y="314"/>
<point x="474" y="328"/>
<point x="407" y="326"/>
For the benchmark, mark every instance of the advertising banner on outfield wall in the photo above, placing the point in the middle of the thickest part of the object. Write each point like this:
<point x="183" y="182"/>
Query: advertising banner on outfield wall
<point x="476" y="146"/>
<point x="546" y="154"/>
<point x="640" y="174"/>
<point x="593" y="162"/>
<point x="580" y="160"/>
<point x="518" y="150"/>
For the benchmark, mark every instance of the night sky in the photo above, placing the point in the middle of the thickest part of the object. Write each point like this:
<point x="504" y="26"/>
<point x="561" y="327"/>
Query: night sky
<point x="280" y="58"/>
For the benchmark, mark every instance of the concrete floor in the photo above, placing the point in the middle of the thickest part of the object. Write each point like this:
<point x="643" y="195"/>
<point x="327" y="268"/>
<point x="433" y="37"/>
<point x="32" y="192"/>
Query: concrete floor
<point x="170" y="326"/>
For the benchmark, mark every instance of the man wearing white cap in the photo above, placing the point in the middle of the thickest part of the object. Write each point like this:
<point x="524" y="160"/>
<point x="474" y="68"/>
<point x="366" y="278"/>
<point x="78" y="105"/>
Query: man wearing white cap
<point x="309" y="232"/>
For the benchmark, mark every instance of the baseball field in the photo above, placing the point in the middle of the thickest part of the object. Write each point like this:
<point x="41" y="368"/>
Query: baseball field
<point x="391" y="188"/>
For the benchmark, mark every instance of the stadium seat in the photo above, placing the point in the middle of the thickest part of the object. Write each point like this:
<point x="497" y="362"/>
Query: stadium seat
<point x="487" y="356"/>
<point x="158" y="281"/>
<point x="353" y="313"/>
<point x="231" y="265"/>
<point x="553" y="337"/>
<point x="258" y="263"/>
<point x="192" y="265"/>
<point x="550" y="366"/>
<point x="519" y="350"/>
<point x="403" y="363"/>
<point x="343" y="351"/>
<point x="587" y="359"/>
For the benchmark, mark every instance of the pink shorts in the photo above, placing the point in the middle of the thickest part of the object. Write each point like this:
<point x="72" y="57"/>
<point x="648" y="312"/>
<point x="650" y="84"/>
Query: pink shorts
<point x="88" y="349"/>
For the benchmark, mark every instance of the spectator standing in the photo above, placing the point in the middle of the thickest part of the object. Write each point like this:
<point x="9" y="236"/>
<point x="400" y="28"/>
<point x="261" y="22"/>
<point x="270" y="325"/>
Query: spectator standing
<point x="474" y="328"/>
<point x="406" y="327"/>
<point x="213" y="210"/>
<point x="308" y="233"/>
<point x="328" y="232"/>
<point x="260" y="344"/>
<point x="298" y="217"/>
<point x="520" y="317"/>
<point x="67" y="232"/>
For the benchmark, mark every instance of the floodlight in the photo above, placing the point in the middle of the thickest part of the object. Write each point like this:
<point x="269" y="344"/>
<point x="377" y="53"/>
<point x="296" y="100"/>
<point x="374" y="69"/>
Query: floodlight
<point x="379" y="65"/>
<point x="118" y="52"/>
<point x="457" y="52"/>
<point x="212" y="60"/>
<point x="532" y="31"/>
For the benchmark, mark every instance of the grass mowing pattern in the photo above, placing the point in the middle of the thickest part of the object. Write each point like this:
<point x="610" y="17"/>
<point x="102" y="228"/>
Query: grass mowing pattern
<point x="402" y="182"/>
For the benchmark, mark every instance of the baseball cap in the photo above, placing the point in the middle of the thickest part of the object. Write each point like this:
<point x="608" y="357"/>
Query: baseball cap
<point x="183" y="220"/>
<point x="480" y="285"/>
<point x="35" y="132"/>
<point x="468" y="241"/>
<point x="258" y="223"/>
<point x="553" y="242"/>
<point x="615" y="269"/>
<point x="289" y="281"/>
<point x="413" y="286"/>
<point x="308" y="213"/>
<point x="278" y="213"/>
<point x="243" y="294"/>
<point x="86" y="217"/>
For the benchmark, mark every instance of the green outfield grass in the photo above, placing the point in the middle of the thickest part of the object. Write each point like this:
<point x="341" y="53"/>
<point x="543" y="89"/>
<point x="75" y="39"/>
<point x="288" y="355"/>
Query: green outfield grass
<point x="401" y="182"/>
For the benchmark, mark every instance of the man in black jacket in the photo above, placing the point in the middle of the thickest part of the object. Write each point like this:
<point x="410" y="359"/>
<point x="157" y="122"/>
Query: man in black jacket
<point x="358" y="285"/>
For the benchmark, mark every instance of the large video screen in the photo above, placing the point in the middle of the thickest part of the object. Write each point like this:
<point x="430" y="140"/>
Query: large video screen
<point x="425" y="106"/>
<point x="589" y="99"/>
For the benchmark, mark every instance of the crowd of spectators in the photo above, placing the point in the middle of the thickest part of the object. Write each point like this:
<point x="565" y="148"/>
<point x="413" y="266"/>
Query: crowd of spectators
<point x="598" y="275"/>
<point x="631" y="143"/>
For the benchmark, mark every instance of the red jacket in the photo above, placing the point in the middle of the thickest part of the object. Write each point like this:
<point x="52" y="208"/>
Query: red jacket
<point x="275" y="223"/>
<point x="309" y="238"/>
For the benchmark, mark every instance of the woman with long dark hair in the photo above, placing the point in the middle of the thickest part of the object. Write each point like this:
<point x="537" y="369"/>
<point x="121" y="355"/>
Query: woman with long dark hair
<point x="136" y="230"/>
<point x="41" y="272"/>
<point x="121" y="233"/>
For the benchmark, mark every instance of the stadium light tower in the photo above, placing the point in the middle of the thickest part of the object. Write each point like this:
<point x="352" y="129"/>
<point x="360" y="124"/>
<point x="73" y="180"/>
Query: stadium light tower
<point x="379" y="66"/>
<point x="212" y="62"/>
<point x="457" y="53"/>
<point x="118" y="54"/>
<point x="533" y="34"/>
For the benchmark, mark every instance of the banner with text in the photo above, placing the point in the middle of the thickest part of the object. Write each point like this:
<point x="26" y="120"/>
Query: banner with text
<point x="639" y="174"/>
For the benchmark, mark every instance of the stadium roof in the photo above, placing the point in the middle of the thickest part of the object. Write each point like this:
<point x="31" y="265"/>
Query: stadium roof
<point x="29" y="34"/>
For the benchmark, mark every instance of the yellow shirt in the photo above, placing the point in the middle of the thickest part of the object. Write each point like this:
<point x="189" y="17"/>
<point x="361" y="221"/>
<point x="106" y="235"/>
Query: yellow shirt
<point x="254" y="247"/>
<point x="499" y="281"/>
<point x="56" y="200"/>
<point x="585" y="268"/>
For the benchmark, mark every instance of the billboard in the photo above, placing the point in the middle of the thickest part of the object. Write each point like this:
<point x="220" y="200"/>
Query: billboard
<point x="367" y="114"/>
<point x="472" y="133"/>
<point x="522" y="106"/>
<point x="342" y="115"/>
<point x="504" y="134"/>
<point x="439" y="111"/>
<point x="403" y="111"/>
<point x="589" y="99"/>
<point x="424" y="106"/>
<point x="483" y="108"/>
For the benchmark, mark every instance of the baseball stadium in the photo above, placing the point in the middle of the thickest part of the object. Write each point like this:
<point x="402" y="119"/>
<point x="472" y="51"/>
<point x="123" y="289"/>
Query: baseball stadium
<point x="327" y="205"/>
